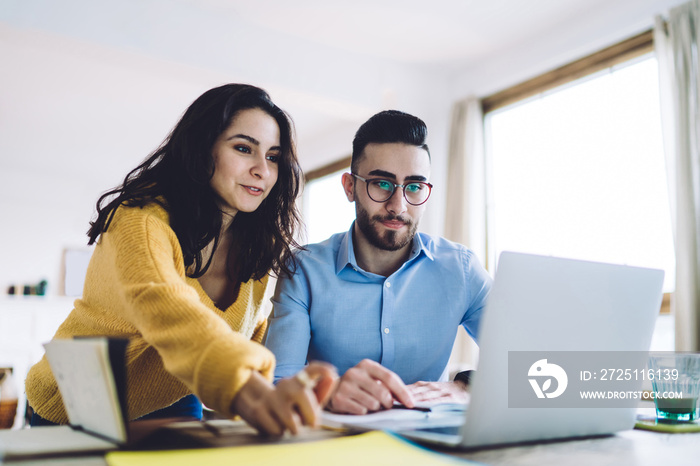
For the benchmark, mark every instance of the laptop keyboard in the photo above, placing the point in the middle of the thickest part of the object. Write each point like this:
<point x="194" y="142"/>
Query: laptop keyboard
<point x="447" y="430"/>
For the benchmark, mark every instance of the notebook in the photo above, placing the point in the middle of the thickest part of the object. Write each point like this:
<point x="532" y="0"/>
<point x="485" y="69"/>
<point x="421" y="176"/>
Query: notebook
<point x="90" y="374"/>
<point x="542" y="307"/>
<point x="91" y="377"/>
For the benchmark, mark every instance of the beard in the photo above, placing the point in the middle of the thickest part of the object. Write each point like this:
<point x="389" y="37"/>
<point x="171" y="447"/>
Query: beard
<point x="390" y="240"/>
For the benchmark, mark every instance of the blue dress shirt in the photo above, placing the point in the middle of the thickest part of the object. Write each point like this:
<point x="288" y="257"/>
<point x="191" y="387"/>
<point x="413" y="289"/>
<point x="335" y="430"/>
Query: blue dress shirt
<point x="331" y="310"/>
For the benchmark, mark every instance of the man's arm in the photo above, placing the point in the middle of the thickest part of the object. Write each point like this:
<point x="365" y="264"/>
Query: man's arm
<point x="478" y="283"/>
<point x="289" y="331"/>
<point x="367" y="387"/>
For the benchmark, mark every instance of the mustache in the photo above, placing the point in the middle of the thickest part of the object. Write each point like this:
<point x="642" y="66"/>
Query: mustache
<point x="390" y="218"/>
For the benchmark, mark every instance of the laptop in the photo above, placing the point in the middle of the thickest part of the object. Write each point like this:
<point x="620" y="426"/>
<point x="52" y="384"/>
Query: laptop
<point x="547" y="315"/>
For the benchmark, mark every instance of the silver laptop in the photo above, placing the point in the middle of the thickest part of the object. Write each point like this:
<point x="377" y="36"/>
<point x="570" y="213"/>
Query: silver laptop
<point x="574" y="313"/>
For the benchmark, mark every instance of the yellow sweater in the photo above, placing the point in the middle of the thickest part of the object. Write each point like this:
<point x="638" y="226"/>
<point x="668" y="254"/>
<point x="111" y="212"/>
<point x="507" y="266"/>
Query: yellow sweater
<point x="180" y="343"/>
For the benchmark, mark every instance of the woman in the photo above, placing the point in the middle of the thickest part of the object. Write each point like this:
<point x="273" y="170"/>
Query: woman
<point x="184" y="249"/>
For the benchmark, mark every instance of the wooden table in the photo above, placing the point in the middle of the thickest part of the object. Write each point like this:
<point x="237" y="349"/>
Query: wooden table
<point x="628" y="448"/>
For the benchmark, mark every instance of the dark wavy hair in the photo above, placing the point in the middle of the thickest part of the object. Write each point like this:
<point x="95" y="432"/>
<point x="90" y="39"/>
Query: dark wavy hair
<point x="387" y="127"/>
<point x="177" y="176"/>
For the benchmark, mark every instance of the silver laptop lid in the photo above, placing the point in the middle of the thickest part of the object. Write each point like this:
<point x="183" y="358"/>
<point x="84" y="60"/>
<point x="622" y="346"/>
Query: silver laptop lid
<point x="550" y="304"/>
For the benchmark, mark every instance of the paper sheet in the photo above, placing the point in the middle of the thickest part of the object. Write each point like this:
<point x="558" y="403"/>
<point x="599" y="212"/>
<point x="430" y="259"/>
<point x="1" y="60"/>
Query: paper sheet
<point x="371" y="448"/>
<point x="401" y="419"/>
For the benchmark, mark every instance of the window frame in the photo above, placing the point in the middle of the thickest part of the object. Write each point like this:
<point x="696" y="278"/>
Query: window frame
<point x="327" y="169"/>
<point x="310" y="176"/>
<point x="622" y="52"/>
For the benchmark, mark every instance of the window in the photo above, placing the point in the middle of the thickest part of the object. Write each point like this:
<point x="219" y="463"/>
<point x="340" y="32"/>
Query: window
<point x="326" y="210"/>
<point x="578" y="171"/>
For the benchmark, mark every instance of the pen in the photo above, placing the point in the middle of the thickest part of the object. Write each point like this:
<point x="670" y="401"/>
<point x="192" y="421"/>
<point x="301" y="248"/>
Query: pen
<point x="210" y="428"/>
<point x="425" y="409"/>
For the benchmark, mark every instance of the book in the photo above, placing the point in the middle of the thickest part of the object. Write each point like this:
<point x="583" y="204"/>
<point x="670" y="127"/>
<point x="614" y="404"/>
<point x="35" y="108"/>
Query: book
<point x="91" y="377"/>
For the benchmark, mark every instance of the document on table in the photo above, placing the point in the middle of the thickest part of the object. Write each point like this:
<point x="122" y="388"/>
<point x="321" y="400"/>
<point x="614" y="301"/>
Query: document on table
<point x="368" y="448"/>
<point x="391" y="419"/>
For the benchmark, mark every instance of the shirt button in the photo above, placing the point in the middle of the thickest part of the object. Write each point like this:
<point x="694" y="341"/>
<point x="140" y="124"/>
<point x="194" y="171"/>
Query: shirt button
<point x="386" y="330"/>
<point x="388" y="284"/>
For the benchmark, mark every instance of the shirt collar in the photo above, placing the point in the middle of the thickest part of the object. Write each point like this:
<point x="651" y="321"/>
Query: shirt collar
<point x="418" y="247"/>
<point x="346" y="251"/>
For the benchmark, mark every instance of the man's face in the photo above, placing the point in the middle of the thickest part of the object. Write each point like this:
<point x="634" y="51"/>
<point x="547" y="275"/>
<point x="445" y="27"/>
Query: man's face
<point x="389" y="225"/>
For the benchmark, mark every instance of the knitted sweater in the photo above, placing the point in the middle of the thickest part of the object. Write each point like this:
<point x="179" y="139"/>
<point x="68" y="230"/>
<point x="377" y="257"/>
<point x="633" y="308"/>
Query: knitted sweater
<point x="180" y="342"/>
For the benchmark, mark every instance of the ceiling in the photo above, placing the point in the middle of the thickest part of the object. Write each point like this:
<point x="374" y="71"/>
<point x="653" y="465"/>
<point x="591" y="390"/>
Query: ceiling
<point x="329" y="63"/>
<point x="437" y="32"/>
<point x="89" y="87"/>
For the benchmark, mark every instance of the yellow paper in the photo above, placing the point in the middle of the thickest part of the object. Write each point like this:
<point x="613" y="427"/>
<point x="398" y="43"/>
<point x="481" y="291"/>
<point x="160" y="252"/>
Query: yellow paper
<point x="371" y="448"/>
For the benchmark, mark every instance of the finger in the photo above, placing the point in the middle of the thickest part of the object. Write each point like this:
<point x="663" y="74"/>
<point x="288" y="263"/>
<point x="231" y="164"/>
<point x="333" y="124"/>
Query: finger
<point x="266" y="424"/>
<point x="357" y="385"/>
<point x="344" y="405"/>
<point x="380" y="395"/>
<point x="429" y="390"/>
<point x="283" y="413"/>
<point x="420" y="383"/>
<point x="307" y="408"/>
<point x="392" y="382"/>
<point x="419" y="389"/>
<point x="296" y="420"/>
<point x="430" y="396"/>
<point x="325" y="388"/>
<point x="291" y="400"/>
<point x="326" y="378"/>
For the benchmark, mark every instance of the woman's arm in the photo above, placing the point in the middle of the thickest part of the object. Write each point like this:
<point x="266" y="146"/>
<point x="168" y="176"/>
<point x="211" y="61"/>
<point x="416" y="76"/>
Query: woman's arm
<point x="195" y="344"/>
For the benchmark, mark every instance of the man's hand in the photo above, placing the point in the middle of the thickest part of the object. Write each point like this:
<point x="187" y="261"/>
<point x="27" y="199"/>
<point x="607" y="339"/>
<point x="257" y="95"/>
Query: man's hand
<point x="293" y="402"/>
<point x="439" y="392"/>
<point x="367" y="387"/>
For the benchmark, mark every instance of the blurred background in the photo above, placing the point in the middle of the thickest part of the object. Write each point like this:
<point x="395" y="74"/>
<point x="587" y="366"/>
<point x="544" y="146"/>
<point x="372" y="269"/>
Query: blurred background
<point x="88" y="88"/>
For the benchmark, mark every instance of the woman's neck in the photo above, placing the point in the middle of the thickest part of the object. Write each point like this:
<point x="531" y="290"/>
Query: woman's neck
<point x="216" y="282"/>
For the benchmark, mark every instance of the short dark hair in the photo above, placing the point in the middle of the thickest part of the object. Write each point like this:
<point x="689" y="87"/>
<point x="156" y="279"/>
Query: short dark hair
<point x="177" y="176"/>
<point x="387" y="127"/>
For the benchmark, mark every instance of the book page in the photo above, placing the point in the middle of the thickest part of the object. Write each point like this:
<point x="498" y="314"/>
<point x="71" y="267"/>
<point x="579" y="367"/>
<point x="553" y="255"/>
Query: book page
<point x="84" y="376"/>
<point x="50" y="440"/>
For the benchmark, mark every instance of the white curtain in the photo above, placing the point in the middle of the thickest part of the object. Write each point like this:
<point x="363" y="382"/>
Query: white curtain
<point x="465" y="216"/>
<point x="677" y="46"/>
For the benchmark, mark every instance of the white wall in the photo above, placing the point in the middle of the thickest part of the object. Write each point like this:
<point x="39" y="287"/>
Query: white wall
<point x="88" y="89"/>
<point x="596" y="27"/>
<point x="74" y="119"/>
<point x="77" y="115"/>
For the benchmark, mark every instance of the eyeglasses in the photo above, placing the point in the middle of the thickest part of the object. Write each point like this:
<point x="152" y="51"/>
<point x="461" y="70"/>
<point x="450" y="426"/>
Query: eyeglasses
<point x="381" y="190"/>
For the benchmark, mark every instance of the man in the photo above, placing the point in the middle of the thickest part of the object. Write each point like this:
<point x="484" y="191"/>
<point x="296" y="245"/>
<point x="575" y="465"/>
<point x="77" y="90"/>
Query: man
<point x="381" y="302"/>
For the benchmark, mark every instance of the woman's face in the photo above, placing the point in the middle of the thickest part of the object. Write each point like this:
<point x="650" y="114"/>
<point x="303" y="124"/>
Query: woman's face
<point x="246" y="161"/>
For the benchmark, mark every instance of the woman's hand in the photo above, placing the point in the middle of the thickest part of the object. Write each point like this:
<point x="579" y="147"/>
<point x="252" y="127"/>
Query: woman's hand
<point x="293" y="402"/>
